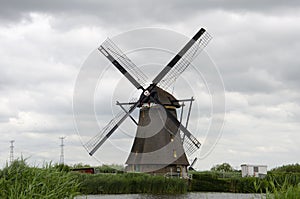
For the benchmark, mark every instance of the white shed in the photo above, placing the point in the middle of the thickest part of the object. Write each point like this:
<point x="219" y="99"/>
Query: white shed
<point x="254" y="170"/>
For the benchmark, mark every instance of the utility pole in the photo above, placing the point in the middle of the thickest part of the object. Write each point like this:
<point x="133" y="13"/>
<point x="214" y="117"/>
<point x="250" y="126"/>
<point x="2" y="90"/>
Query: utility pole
<point x="11" y="154"/>
<point x="61" y="159"/>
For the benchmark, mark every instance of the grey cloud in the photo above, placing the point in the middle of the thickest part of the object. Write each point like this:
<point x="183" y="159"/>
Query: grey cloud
<point x="251" y="82"/>
<point x="118" y="12"/>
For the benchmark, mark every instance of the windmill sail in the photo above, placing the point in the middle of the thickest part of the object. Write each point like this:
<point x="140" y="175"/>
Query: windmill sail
<point x="191" y="144"/>
<point x="116" y="56"/>
<point x="94" y="143"/>
<point x="185" y="61"/>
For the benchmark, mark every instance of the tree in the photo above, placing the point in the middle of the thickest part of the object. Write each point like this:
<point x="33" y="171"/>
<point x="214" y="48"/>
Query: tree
<point x="225" y="167"/>
<point x="290" y="168"/>
<point x="80" y="165"/>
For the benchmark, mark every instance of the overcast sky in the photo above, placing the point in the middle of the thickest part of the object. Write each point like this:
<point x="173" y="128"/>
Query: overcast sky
<point x="256" y="46"/>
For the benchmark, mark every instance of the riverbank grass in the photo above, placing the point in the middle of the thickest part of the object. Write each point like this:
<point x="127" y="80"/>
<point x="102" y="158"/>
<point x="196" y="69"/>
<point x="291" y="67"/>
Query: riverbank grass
<point x="21" y="181"/>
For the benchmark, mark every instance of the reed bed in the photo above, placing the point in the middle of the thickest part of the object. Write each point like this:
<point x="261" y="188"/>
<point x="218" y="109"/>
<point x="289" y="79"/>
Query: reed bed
<point x="19" y="181"/>
<point x="287" y="189"/>
<point x="130" y="183"/>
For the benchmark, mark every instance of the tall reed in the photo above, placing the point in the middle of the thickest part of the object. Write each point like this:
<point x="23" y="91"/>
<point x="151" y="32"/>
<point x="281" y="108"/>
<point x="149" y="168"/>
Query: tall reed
<point x="285" y="190"/>
<point x="130" y="183"/>
<point x="19" y="181"/>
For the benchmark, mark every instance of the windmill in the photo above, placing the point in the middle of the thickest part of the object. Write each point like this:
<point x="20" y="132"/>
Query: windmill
<point x="155" y="150"/>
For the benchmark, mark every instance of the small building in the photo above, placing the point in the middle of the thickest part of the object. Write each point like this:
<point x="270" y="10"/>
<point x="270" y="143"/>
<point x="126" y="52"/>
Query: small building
<point x="88" y="170"/>
<point x="249" y="170"/>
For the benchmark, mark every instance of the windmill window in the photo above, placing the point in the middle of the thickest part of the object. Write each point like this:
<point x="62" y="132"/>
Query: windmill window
<point x="174" y="154"/>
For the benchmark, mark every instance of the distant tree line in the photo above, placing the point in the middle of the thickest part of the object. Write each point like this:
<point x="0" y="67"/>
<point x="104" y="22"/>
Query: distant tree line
<point x="291" y="168"/>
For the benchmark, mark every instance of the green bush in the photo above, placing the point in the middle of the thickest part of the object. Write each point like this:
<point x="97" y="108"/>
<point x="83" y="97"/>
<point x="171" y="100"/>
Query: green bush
<point x="202" y="181"/>
<point x="209" y="181"/>
<point x="215" y="182"/>
<point x="110" y="169"/>
<point x="130" y="183"/>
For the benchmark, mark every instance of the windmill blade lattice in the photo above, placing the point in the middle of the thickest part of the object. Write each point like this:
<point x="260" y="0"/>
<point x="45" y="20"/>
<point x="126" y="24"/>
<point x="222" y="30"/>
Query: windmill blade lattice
<point x="185" y="61"/>
<point x="92" y="143"/>
<point x="189" y="145"/>
<point x="119" y="56"/>
<point x="95" y="142"/>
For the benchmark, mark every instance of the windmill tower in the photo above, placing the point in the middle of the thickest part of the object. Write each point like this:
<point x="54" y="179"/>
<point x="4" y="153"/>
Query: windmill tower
<point x="162" y="143"/>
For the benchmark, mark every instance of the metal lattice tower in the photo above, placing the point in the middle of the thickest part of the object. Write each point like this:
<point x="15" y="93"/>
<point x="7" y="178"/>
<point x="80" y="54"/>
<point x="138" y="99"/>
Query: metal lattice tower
<point x="11" y="154"/>
<point x="61" y="159"/>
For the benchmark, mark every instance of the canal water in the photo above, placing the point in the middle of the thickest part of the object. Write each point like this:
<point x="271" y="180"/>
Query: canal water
<point x="191" y="195"/>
